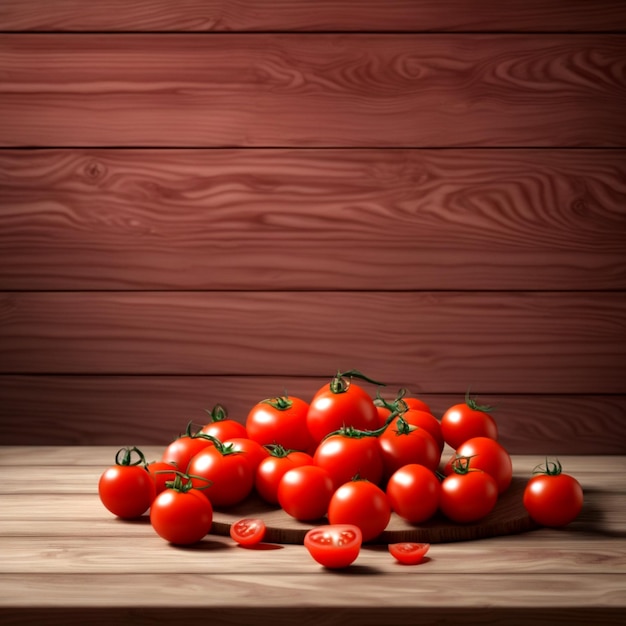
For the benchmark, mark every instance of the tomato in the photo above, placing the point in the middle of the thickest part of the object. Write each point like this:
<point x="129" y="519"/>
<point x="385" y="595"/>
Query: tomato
<point x="282" y="421"/>
<point x="334" y="546"/>
<point x="413" y="492"/>
<point x="363" y="504"/>
<point x="427" y="421"/>
<point x="349" y="454"/>
<point x="408" y="553"/>
<point x="418" y="405"/>
<point x="304" y="492"/>
<point x="402" y="443"/>
<point x="274" y="467"/>
<point x="229" y="472"/>
<point x="183" y="448"/>
<point x="127" y="489"/>
<point x="161" y="472"/>
<point x="181" y="515"/>
<point x="401" y="404"/>
<point x="552" y="498"/>
<point x="248" y="531"/>
<point x="221" y="427"/>
<point x="468" y="495"/>
<point x="341" y="403"/>
<point x="252" y="450"/>
<point x="465" y="421"/>
<point x="487" y="455"/>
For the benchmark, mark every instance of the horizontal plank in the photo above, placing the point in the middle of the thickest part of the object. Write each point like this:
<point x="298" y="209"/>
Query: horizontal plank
<point x="312" y="219"/>
<point x="430" y="342"/>
<point x="322" y="15"/>
<point x="319" y="90"/>
<point x="121" y="410"/>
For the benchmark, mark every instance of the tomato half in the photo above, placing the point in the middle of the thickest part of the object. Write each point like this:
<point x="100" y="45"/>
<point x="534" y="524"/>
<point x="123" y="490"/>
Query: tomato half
<point x="413" y="492"/>
<point x="408" y="553"/>
<point x="248" y="531"/>
<point x="464" y="421"/>
<point x="334" y="546"/>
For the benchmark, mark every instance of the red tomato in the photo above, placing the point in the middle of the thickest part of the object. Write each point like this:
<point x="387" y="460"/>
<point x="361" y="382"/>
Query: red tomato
<point x="413" y="492"/>
<point x="408" y="553"/>
<point x="464" y="421"/>
<point x="363" y="504"/>
<point x="403" y="443"/>
<point x="346" y="456"/>
<point x="341" y="403"/>
<point x="487" y="455"/>
<point x="248" y="531"/>
<point x="181" y="515"/>
<point x="427" y="421"/>
<point x="162" y="472"/>
<point x="334" y="546"/>
<point x="252" y="450"/>
<point x="552" y="498"/>
<point x="468" y="497"/>
<point x="418" y="405"/>
<point x="221" y="427"/>
<point x="228" y="471"/>
<point x="274" y="467"/>
<point x="304" y="492"/>
<point x="183" y="448"/>
<point x="281" y="421"/>
<point x="127" y="489"/>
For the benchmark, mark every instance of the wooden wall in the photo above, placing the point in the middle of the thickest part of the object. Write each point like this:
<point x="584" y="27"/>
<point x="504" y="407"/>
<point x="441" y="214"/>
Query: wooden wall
<point x="207" y="202"/>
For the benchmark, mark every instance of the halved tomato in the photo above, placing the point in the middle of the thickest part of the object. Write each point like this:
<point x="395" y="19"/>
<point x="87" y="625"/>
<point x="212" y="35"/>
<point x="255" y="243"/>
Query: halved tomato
<point x="334" y="545"/>
<point x="248" y="531"/>
<point x="408" y="553"/>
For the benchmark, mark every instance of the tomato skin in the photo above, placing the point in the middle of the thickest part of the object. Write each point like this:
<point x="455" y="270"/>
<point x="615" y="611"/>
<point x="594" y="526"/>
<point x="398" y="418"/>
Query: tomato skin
<point x="553" y="500"/>
<point x="427" y="421"/>
<point x="346" y="457"/>
<point x="408" y="553"/>
<point x="468" y="497"/>
<point x="462" y="422"/>
<point x="248" y="531"/>
<point x="330" y="411"/>
<point x="182" y="518"/>
<point x="413" y="492"/>
<point x="161" y="472"/>
<point x="304" y="492"/>
<point x="334" y="546"/>
<point x="127" y="491"/>
<point x="252" y="450"/>
<point x="363" y="504"/>
<point x="281" y="421"/>
<point x="417" y="404"/>
<point x="225" y="429"/>
<point x="273" y="468"/>
<point x="183" y="449"/>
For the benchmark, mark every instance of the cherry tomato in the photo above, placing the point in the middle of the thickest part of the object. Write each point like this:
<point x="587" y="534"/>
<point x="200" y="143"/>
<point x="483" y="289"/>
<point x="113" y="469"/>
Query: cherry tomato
<point x="304" y="492"/>
<point x="363" y="504"/>
<point x="221" y="427"/>
<point x="402" y="443"/>
<point x="427" y="421"/>
<point x="282" y="421"/>
<point x="127" y="489"/>
<point x="334" y="546"/>
<point x="552" y="498"/>
<point x="185" y="447"/>
<point x="347" y="454"/>
<point x="274" y="467"/>
<point x="408" y="553"/>
<point x="468" y="495"/>
<point x="487" y="455"/>
<point x="464" y="421"/>
<point x="252" y="450"/>
<point x="341" y="403"/>
<point x="228" y="471"/>
<point x="248" y="531"/>
<point x="413" y="492"/>
<point x="181" y="515"/>
<point x="161" y="472"/>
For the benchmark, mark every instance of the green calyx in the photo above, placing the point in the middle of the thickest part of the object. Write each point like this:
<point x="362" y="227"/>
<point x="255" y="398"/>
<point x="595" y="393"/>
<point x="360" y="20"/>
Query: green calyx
<point x="183" y="483"/>
<point x="461" y="464"/>
<point x="280" y="403"/>
<point x="276" y="450"/>
<point x="341" y="382"/>
<point x="472" y="404"/>
<point x="551" y="468"/>
<point x="218" y="413"/>
<point x="224" y="448"/>
<point x="124" y="457"/>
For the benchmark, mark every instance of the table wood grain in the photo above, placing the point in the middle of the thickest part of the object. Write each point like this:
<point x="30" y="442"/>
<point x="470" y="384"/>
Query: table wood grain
<point x="65" y="560"/>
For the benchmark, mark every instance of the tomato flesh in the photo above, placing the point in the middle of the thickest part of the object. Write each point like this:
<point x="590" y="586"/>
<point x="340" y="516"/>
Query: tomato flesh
<point x="335" y="545"/>
<point x="248" y="531"/>
<point x="408" y="553"/>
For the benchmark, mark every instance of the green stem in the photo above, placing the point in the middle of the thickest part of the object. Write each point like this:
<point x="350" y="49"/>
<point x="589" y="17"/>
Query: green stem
<point x="127" y="456"/>
<point x="218" y="413"/>
<point x="341" y="382"/>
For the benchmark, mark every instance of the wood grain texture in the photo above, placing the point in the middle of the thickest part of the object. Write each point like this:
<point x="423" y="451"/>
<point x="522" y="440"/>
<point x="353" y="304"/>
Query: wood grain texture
<point x="322" y="15"/>
<point x="121" y="410"/>
<point x="322" y="90"/>
<point x="528" y="342"/>
<point x="321" y="219"/>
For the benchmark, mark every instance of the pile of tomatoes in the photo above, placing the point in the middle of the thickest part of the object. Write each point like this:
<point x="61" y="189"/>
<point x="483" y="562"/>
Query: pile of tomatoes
<point x="344" y="460"/>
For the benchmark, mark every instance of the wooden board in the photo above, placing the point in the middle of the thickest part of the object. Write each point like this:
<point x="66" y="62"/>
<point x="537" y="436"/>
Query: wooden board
<point x="508" y="517"/>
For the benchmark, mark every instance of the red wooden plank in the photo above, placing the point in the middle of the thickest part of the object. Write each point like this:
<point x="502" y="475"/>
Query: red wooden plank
<point x="500" y="342"/>
<point x="318" y="90"/>
<point x="312" y="219"/>
<point x="321" y="15"/>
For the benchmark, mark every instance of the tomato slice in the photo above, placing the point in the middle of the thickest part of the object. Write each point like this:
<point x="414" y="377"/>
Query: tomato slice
<point x="334" y="545"/>
<point x="409" y="553"/>
<point x="248" y="531"/>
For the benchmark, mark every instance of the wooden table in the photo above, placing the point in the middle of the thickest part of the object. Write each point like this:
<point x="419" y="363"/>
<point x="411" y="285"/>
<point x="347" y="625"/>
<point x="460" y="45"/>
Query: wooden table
<point x="65" y="560"/>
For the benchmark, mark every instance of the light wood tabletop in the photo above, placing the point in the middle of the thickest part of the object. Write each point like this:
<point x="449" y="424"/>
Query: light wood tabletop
<point x="64" y="559"/>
